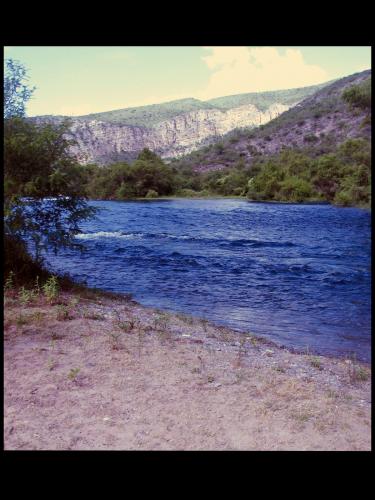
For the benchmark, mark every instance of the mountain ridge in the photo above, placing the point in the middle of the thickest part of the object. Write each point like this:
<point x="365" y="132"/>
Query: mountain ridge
<point x="176" y="128"/>
<point x="319" y="122"/>
<point x="171" y="129"/>
<point x="155" y="113"/>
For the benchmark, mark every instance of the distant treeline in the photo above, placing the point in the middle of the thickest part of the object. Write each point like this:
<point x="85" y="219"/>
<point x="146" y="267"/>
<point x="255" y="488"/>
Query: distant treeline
<point x="342" y="177"/>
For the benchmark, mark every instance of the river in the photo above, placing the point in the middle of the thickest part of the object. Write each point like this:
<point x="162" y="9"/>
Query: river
<point x="299" y="275"/>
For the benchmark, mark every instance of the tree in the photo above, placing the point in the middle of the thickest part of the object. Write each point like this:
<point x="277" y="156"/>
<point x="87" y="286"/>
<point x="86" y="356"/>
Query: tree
<point x="43" y="185"/>
<point x="295" y="189"/>
<point x="16" y="91"/>
<point x="150" y="173"/>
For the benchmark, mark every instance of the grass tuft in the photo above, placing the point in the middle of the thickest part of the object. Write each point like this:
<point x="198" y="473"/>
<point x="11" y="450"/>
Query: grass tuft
<point x="316" y="362"/>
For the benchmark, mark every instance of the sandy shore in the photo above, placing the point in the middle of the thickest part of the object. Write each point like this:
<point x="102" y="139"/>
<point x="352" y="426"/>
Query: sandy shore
<point x="99" y="372"/>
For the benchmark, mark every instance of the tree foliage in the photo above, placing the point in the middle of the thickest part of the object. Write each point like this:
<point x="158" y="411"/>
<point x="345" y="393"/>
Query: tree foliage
<point x="16" y="90"/>
<point x="123" y="181"/>
<point x="341" y="177"/>
<point x="44" y="199"/>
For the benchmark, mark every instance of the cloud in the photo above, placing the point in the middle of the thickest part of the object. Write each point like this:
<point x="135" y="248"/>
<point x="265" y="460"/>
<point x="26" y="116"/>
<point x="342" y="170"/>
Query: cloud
<point x="237" y="70"/>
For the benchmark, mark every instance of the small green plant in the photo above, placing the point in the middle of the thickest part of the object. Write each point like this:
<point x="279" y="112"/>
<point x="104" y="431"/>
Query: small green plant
<point x="161" y="321"/>
<point x="37" y="316"/>
<point x="357" y="373"/>
<point x="316" y="362"/>
<point x="362" y="374"/>
<point x="37" y="287"/>
<point x="51" y="288"/>
<point x="252" y="339"/>
<point x="73" y="302"/>
<point x="93" y="315"/>
<point x="9" y="282"/>
<point x="25" y="296"/>
<point x="73" y="373"/>
<point x="127" y="326"/>
<point x="62" y="313"/>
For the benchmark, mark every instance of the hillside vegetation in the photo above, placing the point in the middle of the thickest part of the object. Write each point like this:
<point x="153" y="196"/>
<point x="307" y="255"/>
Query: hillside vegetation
<point x="332" y="167"/>
<point x="147" y="116"/>
<point x="343" y="178"/>
<point x="263" y="100"/>
<point x="317" y="126"/>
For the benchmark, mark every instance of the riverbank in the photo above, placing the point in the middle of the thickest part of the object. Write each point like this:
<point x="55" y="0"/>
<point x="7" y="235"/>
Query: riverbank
<point x="235" y="197"/>
<point x="95" y="371"/>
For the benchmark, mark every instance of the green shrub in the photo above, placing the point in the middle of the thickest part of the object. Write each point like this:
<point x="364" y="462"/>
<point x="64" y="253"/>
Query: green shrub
<point x="9" y="282"/>
<point x="25" y="296"/>
<point x="124" y="192"/>
<point x="295" y="189"/>
<point x="359" y="95"/>
<point x="51" y="288"/>
<point x="343" y="198"/>
<point x="151" y="193"/>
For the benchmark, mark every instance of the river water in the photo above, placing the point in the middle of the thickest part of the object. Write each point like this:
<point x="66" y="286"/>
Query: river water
<point x="298" y="275"/>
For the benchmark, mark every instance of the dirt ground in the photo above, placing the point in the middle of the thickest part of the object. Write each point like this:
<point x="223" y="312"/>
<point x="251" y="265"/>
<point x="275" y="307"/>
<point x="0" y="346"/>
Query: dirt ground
<point x="94" y="372"/>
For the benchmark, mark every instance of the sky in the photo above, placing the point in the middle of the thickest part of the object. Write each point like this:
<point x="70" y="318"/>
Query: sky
<point x="81" y="80"/>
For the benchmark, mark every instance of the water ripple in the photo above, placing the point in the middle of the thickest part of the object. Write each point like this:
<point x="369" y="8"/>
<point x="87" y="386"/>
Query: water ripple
<point x="297" y="274"/>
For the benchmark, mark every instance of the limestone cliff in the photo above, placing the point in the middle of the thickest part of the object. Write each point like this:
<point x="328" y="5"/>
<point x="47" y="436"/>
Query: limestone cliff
<point x="102" y="141"/>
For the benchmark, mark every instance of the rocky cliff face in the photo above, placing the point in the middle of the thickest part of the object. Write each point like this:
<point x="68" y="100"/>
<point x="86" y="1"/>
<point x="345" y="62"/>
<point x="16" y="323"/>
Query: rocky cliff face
<point x="102" y="142"/>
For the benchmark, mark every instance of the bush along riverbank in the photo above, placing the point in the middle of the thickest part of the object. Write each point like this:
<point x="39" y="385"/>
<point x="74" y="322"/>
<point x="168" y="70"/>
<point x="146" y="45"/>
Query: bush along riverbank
<point x="342" y="177"/>
<point x="86" y="369"/>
